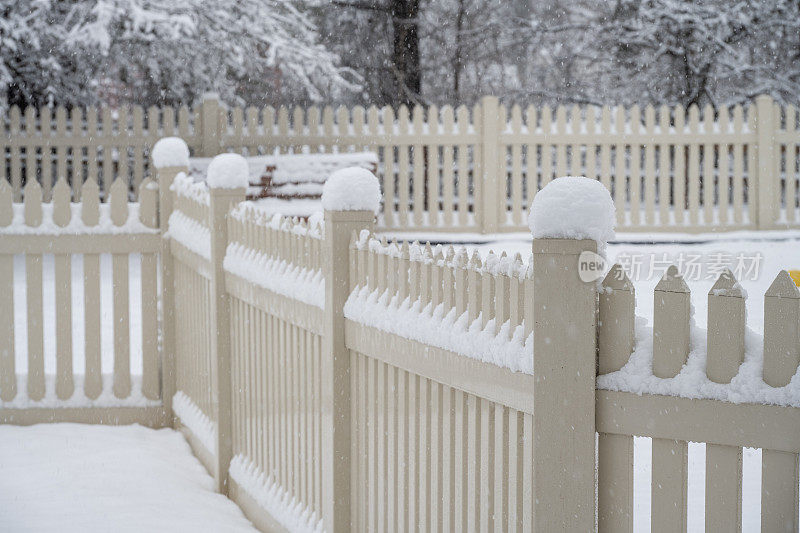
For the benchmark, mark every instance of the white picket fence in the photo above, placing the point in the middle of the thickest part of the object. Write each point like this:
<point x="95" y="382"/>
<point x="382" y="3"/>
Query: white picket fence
<point x="474" y="170"/>
<point x="331" y="380"/>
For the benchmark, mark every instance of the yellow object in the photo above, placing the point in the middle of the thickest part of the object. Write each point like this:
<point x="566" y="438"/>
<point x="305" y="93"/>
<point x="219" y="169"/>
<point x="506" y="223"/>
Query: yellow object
<point x="795" y="274"/>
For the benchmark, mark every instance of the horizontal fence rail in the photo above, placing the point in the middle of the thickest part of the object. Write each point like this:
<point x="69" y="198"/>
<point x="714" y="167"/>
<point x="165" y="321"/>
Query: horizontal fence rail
<point x="465" y="169"/>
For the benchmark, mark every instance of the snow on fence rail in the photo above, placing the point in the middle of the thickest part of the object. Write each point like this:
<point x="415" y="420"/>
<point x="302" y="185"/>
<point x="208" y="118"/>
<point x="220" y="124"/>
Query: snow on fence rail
<point x="52" y="256"/>
<point x="671" y="169"/>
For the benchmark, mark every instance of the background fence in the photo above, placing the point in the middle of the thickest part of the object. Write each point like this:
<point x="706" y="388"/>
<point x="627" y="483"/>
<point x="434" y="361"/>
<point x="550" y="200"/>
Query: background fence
<point x="478" y="169"/>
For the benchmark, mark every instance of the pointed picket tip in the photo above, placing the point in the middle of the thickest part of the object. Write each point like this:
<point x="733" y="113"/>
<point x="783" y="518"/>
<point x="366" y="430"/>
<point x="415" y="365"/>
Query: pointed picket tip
<point x="6" y="203"/>
<point x="33" y="203"/>
<point x="118" y="202"/>
<point x="90" y="203"/>
<point x="404" y="252"/>
<point x="461" y="257"/>
<point x="783" y="287"/>
<point x="62" y="211"/>
<point x="726" y="285"/>
<point x="672" y="281"/>
<point x="617" y="279"/>
<point x="475" y="259"/>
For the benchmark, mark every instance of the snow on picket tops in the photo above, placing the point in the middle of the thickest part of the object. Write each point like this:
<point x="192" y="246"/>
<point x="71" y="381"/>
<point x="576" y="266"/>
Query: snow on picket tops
<point x="267" y="492"/>
<point x="228" y="171"/>
<point x="747" y="386"/>
<point x="352" y="189"/>
<point x="193" y="418"/>
<point x="573" y="207"/>
<point x="170" y="152"/>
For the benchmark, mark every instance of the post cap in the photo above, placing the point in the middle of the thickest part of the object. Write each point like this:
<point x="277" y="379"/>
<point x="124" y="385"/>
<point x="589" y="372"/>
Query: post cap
<point x="573" y="207"/>
<point x="352" y="189"/>
<point x="228" y="171"/>
<point x="170" y="152"/>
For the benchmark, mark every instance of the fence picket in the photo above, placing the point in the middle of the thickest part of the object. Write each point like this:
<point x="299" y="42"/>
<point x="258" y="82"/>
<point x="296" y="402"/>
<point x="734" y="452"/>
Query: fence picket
<point x="137" y="119"/>
<point x="448" y="188"/>
<point x="679" y="166"/>
<point x="664" y="171"/>
<point x="531" y="177"/>
<point x="31" y="164"/>
<point x="122" y="137"/>
<point x="561" y="149"/>
<point x="671" y="300"/>
<point x="432" y="189"/>
<point x="615" y="344"/>
<point x="694" y="166"/>
<point x="547" y="149"/>
<point x="149" y="303"/>
<point x="462" y="168"/>
<point x="8" y="374"/>
<point x="575" y="164"/>
<point x="591" y="144"/>
<point x="752" y="169"/>
<point x="635" y="168"/>
<point x="620" y="189"/>
<point x="779" y="488"/>
<point x="726" y="323"/>
<point x="516" y="169"/>
<point x="402" y="168"/>
<point x="121" y="314"/>
<point x="33" y="294"/>
<point x="707" y="183"/>
<point x="724" y="185"/>
<point x="671" y="312"/>
<point x="418" y="160"/>
<point x="649" y="166"/>
<point x="616" y="317"/>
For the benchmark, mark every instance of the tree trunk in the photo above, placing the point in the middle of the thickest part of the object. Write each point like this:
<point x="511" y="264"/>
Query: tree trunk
<point x="406" y="55"/>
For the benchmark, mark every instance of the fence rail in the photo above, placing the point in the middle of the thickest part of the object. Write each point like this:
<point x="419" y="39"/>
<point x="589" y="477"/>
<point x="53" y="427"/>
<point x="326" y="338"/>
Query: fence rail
<point x="478" y="169"/>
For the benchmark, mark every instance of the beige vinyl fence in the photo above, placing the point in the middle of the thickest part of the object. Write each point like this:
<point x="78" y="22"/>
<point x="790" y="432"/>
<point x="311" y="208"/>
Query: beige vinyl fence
<point x="354" y="418"/>
<point x="476" y="170"/>
<point x="331" y="380"/>
<point x="61" y="250"/>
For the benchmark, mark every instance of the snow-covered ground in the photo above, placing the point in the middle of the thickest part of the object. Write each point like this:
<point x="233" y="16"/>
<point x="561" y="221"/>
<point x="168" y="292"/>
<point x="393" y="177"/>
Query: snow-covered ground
<point x="74" y="477"/>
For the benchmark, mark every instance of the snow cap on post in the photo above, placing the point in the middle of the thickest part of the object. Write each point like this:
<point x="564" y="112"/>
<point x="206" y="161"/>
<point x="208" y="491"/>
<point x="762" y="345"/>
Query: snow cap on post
<point x="170" y="152"/>
<point x="228" y="171"/>
<point x="351" y="189"/>
<point x="573" y="207"/>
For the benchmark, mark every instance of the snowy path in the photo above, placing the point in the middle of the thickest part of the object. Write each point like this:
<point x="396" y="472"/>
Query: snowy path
<point x="72" y="477"/>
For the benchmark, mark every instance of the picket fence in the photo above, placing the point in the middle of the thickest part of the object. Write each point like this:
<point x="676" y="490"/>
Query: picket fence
<point x="56" y="241"/>
<point x="473" y="170"/>
<point x="310" y="378"/>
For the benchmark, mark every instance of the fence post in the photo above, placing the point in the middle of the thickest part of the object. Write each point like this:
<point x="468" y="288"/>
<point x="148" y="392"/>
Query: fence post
<point x="170" y="157"/>
<point x="227" y="180"/>
<point x="209" y="125"/>
<point x="564" y="369"/>
<point x="335" y="370"/>
<point x="490" y="165"/>
<point x="766" y="170"/>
